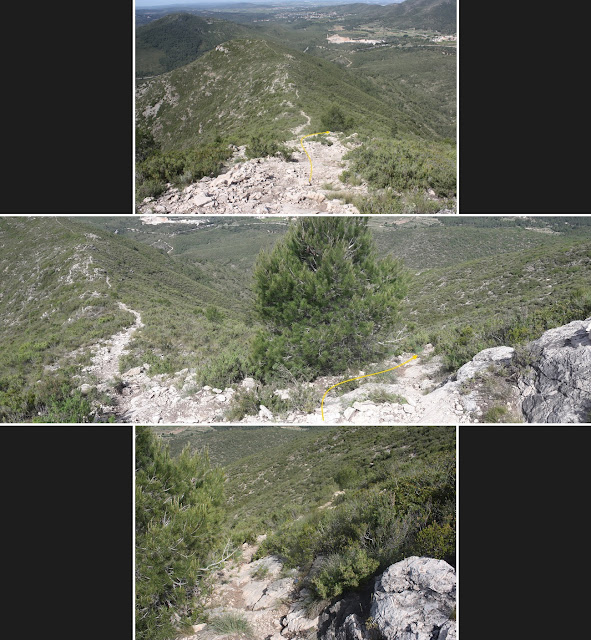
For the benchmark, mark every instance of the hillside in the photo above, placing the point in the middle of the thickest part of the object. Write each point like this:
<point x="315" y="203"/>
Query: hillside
<point x="241" y="97"/>
<point x="196" y="125"/>
<point x="193" y="104"/>
<point x="440" y="15"/>
<point x="63" y="286"/>
<point x="177" y="39"/>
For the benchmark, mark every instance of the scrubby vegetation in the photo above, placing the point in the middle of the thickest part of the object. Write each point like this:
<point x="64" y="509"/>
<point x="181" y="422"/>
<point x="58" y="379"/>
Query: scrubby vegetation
<point x="391" y="493"/>
<point x="404" y="170"/>
<point x="179" y="508"/>
<point x="179" y="168"/>
<point x="383" y="519"/>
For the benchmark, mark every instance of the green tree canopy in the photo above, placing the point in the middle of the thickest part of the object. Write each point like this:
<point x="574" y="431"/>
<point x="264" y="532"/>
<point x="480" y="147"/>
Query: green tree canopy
<point x="325" y="298"/>
<point x="178" y="516"/>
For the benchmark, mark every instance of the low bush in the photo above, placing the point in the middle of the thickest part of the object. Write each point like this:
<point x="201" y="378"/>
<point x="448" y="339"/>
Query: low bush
<point x="343" y="571"/>
<point x="178" y="167"/>
<point x="406" y="165"/>
<point x="247" y="402"/>
<point x="262" y="145"/>
<point x="334" y="119"/>
<point x="496" y="414"/>
<point x="381" y="395"/>
<point x="223" y="369"/>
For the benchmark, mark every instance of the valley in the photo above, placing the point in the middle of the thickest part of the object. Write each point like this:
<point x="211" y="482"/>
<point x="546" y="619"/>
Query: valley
<point x="152" y="320"/>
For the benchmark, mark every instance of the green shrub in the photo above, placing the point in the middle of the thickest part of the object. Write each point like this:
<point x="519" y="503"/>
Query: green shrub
<point x="347" y="477"/>
<point x="343" y="571"/>
<point x="407" y="164"/>
<point x="213" y="314"/>
<point x="178" y="167"/>
<point x="173" y="497"/>
<point x="247" y="402"/>
<point x="436" y="541"/>
<point x="335" y="120"/>
<point x="145" y="145"/>
<point x="223" y="369"/>
<point x="496" y="414"/>
<point x="262" y="145"/>
<point x="381" y="395"/>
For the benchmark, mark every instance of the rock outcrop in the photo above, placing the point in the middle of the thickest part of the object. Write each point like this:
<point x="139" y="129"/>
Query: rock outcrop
<point x="557" y="385"/>
<point x="412" y="600"/>
<point x="482" y="360"/>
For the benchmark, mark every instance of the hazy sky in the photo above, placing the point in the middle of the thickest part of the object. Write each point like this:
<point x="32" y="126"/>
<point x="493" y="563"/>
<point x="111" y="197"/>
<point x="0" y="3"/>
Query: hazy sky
<point x="157" y="3"/>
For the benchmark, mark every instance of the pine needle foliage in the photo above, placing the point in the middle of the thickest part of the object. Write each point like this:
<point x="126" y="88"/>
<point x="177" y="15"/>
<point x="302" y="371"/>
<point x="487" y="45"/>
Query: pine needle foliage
<point x="325" y="298"/>
<point x="179" y="510"/>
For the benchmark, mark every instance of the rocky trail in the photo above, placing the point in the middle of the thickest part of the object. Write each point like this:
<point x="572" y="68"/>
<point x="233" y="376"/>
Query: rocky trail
<point x="269" y="185"/>
<point x="419" y="392"/>
<point x="106" y="355"/>
<point x="272" y="601"/>
<point x="262" y="593"/>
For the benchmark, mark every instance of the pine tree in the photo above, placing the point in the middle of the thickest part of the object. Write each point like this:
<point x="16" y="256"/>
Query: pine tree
<point x="325" y="299"/>
<point x="178" y="515"/>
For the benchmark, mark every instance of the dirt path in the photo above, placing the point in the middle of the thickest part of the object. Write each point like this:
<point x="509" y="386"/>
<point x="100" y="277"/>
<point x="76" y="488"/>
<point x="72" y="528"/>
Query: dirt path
<point x="421" y="393"/>
<point x="301" y="127"/>
<point x="426" y="396"/>
<point x="252" y="590"/>
<point x="105" y="361"/>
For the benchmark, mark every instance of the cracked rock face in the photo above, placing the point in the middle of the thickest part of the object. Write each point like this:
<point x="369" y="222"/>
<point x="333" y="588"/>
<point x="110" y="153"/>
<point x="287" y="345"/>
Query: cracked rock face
<point x="414" y="599"/>
<point x="482" y="360"/>
<point x="558" y="386"/>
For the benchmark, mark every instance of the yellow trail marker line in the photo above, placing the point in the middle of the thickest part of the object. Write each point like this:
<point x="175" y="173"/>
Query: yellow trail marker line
<point x="357" y="378"/>
<point x="304" y="148"/>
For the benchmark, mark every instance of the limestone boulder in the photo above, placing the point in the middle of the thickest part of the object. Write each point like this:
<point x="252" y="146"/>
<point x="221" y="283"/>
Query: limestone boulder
<point x="414" y="599"/>
<point x="557" y="386"/>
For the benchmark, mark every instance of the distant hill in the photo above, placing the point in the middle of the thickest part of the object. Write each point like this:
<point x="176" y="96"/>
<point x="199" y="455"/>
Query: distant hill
<point x="436" y="15"/>
<point x="440" y="15"/>
<point x="179" y="38"/>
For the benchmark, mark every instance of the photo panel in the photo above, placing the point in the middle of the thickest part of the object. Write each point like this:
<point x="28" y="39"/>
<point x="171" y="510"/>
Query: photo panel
<point x="280" y="532"/>
<point x="295" y="320"/>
